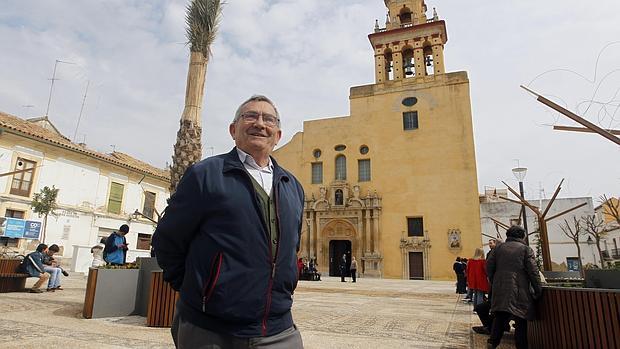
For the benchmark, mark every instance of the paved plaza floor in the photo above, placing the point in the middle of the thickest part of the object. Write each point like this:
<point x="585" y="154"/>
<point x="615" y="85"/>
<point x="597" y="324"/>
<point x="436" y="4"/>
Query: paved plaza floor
<point x="371" y="313"/>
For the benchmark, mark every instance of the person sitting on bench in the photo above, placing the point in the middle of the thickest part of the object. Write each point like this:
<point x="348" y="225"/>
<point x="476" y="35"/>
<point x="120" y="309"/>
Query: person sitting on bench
<point x="33" y="265"/>
<point x="51" y="266"/>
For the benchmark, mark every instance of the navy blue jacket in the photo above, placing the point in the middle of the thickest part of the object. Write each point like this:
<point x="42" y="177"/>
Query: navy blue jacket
<point x="33" y="264"/>
<point x="213" y="244"/>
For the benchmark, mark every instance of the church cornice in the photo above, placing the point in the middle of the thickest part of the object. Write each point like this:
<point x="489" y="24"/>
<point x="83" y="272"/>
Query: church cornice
<point x="419" y="27"/>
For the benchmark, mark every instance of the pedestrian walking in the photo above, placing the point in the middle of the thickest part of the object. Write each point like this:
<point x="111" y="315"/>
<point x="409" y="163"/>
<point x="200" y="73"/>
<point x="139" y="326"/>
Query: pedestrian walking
<point x="353" y="268"/>
<point x="459" y="270"/>
<point x="477" y="277"/>
<point x="515" y="284"/>
<point x="343" y="268"/>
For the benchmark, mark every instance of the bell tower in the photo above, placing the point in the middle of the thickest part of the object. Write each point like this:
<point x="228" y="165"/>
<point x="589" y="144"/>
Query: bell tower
<point x="410" y="46"/>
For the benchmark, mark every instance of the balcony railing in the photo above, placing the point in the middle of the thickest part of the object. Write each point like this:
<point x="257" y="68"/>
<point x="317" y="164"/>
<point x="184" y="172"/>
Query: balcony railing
<point x="614" y="253"/>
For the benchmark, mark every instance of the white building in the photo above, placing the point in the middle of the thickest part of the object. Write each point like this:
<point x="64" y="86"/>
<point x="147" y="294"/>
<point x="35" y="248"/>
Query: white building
<point x="563" y="249"/>
<point x="610" y="245"/>
<point x="98" y="192"/>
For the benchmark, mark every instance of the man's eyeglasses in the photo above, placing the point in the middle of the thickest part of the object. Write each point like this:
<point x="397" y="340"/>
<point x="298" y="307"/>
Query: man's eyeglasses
<point x="268" y="119"/>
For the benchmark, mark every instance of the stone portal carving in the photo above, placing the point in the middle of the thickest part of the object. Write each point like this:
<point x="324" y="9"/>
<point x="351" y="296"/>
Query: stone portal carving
<point x="341" y="213"/>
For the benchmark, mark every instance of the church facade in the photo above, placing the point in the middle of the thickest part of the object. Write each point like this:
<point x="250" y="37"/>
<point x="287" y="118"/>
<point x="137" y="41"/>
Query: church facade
<point x="394" y="183"/>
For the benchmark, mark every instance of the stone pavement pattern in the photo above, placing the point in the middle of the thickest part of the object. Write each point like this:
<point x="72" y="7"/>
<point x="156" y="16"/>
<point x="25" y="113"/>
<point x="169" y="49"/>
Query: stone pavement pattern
<point x="371" y="313"/>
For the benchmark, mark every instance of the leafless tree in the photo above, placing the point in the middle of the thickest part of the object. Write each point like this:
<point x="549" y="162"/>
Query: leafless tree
<point x="595" y="228"/>
<point x="574" y="231"/>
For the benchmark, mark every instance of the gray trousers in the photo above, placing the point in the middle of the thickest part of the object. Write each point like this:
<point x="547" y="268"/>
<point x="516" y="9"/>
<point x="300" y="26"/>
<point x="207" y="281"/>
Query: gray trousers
<point x="187" y="335"/>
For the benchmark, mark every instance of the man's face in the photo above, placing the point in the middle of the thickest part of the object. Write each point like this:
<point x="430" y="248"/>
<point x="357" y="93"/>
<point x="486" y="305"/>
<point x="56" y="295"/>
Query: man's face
<point x="255" y="137"/>
<point x="491" y="244"/>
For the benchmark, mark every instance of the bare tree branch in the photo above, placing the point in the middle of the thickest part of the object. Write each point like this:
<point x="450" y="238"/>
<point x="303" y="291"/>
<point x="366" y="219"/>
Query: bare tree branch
<point x="574" y="232"/>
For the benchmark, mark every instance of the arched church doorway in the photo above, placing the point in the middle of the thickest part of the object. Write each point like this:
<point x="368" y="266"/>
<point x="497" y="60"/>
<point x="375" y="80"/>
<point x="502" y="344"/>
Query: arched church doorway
<point x="337" y="248"/>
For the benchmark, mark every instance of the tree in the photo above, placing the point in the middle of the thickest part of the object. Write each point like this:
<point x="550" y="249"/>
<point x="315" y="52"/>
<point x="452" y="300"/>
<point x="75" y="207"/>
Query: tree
<point x="44" y="203"/>
<point x="595" y="228"/>
<point x="574" y="231"/>
<point x="542" y="219"/>
<point x="202" y="20"/>
<point x="611" y="207"/>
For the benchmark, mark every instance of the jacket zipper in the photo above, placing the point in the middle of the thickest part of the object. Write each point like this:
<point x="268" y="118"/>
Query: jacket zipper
<point x="273" y="260"/>
<point x="210" y="286"/>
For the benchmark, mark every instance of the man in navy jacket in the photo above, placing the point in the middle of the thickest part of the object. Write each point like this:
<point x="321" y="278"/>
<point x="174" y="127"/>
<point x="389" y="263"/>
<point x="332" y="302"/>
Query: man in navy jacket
<point x="33" y="265"/>
<point x="229" y="240"/>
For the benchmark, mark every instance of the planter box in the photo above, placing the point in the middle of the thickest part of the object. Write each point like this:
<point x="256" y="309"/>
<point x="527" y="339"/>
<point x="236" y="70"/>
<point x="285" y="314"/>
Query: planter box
<point x="603" y="278"/>
<point x="162" y="302"/>
<point x="110" y="292"/>
<point x="147" y="265"/>
<point x="576" y="318"/>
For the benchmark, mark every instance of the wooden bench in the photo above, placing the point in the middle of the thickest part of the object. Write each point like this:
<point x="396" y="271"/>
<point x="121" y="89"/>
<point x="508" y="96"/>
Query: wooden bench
<point x="571" y="317"/>
<point x="162" y="302"/>
<point x="11" y="280"/>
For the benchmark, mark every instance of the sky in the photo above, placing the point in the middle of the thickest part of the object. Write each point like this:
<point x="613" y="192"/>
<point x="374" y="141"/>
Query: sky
<point x="306" y="55"/>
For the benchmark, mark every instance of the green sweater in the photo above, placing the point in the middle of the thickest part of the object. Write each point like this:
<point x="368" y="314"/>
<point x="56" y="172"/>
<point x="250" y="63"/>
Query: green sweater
<point x="269" y="214"/>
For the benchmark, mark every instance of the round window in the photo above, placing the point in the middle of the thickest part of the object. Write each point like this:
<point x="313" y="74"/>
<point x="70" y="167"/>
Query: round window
<point x="340" y="147"/>
<point x="364" y="149"/>
<point x="410" y="101"/>
<point x="317" y="153"/>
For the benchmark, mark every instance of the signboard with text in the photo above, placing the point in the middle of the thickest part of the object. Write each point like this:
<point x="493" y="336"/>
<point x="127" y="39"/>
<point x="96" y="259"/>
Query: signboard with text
<point x="19" y="228"/>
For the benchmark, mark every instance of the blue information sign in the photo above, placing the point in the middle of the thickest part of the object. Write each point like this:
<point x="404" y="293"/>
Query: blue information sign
<point x="14" y="228"/>
<point x="18" y="228"/>
<point x="32" y="230"/>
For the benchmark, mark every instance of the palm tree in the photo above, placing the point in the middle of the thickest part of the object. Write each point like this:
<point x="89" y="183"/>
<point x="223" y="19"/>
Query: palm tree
<point x="202" y="19"/>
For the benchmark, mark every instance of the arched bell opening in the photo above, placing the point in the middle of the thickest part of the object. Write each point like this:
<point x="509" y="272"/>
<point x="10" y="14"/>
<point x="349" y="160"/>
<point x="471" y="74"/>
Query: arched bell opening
<point x="405" y="17"/>
<point x="389" y="64"/>
<point x="428" y="59"/>
<point x="408" y="62"/>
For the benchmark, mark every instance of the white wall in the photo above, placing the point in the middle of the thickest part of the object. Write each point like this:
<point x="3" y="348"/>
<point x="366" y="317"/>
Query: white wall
<point x="559" y="245"/>
<point x="82" y="199"/>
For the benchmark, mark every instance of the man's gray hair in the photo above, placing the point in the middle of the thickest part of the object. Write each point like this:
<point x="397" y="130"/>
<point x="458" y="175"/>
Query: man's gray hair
<point x="256" y="98"/>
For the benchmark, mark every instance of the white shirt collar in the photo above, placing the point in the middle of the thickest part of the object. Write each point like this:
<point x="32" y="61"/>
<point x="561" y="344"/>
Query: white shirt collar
<point x="248" y="160"/>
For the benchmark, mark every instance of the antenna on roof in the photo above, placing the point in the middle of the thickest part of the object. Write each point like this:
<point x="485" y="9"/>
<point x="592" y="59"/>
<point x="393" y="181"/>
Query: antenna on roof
<point x="81" y="110"/>
<point x="49" y="100"/>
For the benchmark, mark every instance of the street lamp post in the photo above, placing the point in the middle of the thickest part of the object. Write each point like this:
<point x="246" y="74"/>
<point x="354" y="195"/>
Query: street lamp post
<point x="519" y="173"/>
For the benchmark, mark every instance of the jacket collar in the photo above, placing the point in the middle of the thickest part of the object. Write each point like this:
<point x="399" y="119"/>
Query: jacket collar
<point x="515" y="239"/>
<point x="232" y="162"/>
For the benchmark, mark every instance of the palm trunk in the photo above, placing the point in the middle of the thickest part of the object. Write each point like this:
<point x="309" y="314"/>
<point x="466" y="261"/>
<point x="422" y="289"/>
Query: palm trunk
<point x="188" y="147"/>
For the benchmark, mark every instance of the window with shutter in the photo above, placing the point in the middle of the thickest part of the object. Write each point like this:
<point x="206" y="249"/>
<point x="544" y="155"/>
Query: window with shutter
<point x="143" y="242"/>
<point x="116" y="198"/>
<point x="22" y="181"/>
<point x="149" y="204"/>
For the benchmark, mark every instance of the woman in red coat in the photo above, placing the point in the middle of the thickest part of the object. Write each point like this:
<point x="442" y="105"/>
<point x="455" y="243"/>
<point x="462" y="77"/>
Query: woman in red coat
<point x="477" y="276"/>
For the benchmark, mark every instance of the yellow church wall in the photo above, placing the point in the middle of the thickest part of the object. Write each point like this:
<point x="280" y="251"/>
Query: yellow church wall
<point x="429" y="172"/>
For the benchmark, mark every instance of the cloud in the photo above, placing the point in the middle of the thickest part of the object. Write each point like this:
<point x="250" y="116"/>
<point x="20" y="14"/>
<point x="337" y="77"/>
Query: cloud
<point x="306" y="55"/>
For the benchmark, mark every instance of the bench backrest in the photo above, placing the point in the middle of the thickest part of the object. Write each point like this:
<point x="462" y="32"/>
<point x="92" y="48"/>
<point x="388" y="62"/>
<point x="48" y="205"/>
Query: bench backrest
<point x="10" y="266"/>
